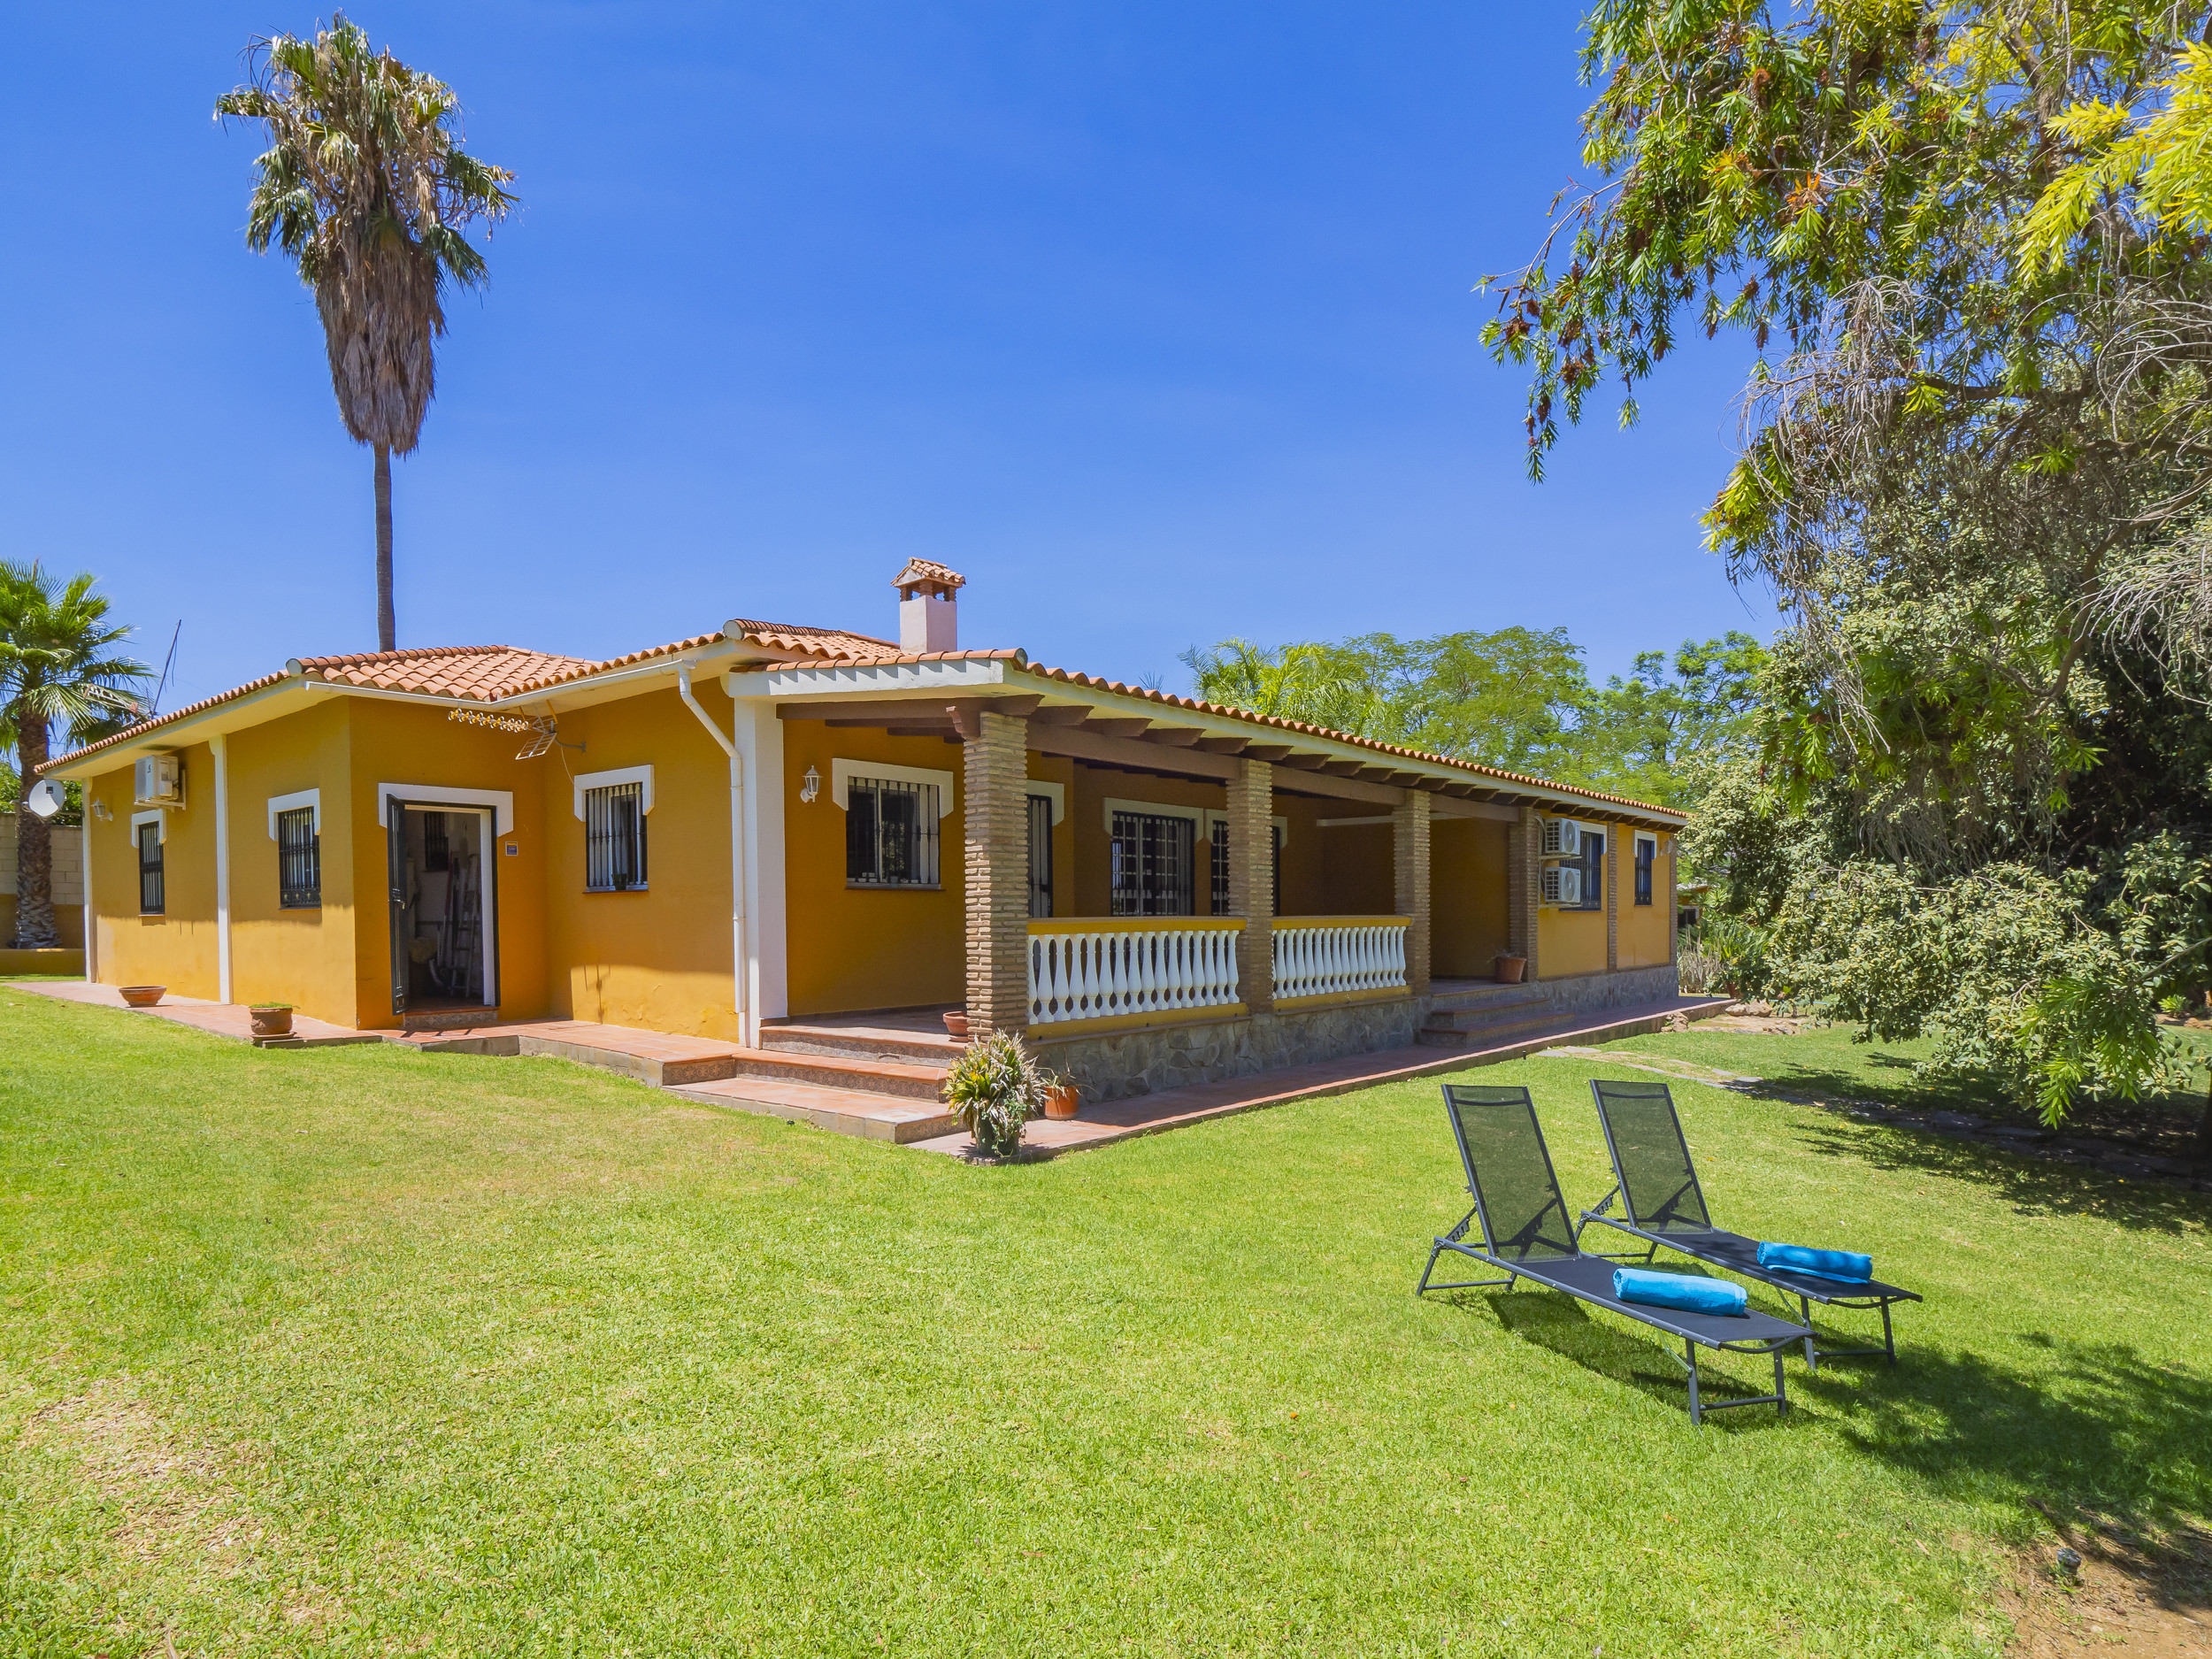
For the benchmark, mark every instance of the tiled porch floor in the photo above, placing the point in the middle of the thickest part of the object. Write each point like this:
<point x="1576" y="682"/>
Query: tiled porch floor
<point x="224" y="1019"/>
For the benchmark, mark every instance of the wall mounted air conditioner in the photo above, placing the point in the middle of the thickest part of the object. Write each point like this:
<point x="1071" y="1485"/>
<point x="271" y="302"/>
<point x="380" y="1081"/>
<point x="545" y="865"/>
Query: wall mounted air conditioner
<point x="1563" y="838"/>
<point x="160" y="781"/>
<point x="1562" y="885"/>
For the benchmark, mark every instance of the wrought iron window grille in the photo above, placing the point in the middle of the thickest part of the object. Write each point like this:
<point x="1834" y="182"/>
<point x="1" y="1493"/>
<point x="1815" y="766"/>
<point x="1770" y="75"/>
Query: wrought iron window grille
<point x="299" y="861"/>
<point x="614" y="839"/>
<point x="890" y="834"/>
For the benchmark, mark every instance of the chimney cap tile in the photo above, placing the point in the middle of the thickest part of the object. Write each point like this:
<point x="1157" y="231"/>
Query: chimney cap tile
<point x="927" y="572"/>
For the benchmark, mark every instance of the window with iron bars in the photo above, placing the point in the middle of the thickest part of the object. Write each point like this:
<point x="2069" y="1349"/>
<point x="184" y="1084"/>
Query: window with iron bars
<point x="1221" y="865"/>
<point x="614" y="839"/>
<point x="1646" y="850"/>
<point x="890" y="834"/>
<point x="299" y="861"/>
<point x="1593" y="870"/>
<point x="151" y="885"/>
<point x="1152" y="865"/>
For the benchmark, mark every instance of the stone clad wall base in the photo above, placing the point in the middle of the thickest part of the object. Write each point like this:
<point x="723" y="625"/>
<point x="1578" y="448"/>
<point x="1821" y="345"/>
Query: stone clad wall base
<point x="1591" y="992"/>
<point x="1122" y="1064"/>
<point x="1125" y="1064"/>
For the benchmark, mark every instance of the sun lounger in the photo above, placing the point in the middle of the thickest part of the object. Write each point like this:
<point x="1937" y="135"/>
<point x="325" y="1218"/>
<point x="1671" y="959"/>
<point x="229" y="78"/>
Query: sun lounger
<point x="1527" y="1234"/>
<point x="1664" y="1205"/>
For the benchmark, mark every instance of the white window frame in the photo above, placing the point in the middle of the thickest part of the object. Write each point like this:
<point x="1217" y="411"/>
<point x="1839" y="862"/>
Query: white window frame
<point x="843" y="772"/>
<point x="1057" y="793"/>
<point x="1641" y="837"/>
<point x="311" y="799"/>
<point x="157" y="815"/>
<point x="502" y="801"/>
<point x="614" y="778"/>
<point x="1197" y="815"/>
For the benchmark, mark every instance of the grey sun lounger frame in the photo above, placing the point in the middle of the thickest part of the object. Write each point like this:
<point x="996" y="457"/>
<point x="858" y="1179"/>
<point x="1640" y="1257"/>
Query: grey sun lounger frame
<point x="1672" y="1213"/>
<point x="1542" y="1247"/>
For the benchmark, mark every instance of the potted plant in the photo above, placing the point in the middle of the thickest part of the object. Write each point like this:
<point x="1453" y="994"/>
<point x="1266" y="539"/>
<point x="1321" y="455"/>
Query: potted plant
<point x="271" y="1020"/>
<point x="995" y="1088"/>
<point x="956" y="1023"/>
<point x="1510" y="968"/>
<point x="141" y="995"/>
<point x="1061" y="1099"/>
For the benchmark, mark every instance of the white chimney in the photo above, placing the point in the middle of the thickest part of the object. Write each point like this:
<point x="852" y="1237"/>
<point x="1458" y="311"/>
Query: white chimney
<point x="929" y="613"/>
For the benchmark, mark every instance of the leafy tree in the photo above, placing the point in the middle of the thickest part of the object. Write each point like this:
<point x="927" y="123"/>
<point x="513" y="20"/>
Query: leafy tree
<point x="58" y="667"/>
<point x="365" y="186"/>
<point x="1515" y="698"/>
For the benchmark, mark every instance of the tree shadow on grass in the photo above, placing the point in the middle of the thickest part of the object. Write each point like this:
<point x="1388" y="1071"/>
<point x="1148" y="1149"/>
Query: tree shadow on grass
<point x="2099" y="1433"/>
<point x="1629" y="1353"/>
<point x="2032" y="1186"/>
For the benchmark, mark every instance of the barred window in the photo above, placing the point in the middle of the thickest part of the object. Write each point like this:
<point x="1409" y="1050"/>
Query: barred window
<point x="299" y="861"/>
<point x="614" y="839"/>
<point x="1593" y="870"/>
<point x="151" y="887"/>
<point x="890" y="834"/>
<point x="1040" y="855"/>
<point x="1221" y="865"/>
<point x="1646" y="850"/>
<point x="1153" y="867"/>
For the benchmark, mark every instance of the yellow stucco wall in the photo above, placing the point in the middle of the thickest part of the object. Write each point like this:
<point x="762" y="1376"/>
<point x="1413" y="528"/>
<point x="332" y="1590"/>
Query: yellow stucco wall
<point x="176" y="948"/>
<point x="657" y="958"/>
<point x="1357" y="877"/>
<point x="1643" y="931"/>
<point x="301" y="957"/>
<point x="863" y="947"/>
<point x="1467" y="896"/>
<point x="405" y="743"/>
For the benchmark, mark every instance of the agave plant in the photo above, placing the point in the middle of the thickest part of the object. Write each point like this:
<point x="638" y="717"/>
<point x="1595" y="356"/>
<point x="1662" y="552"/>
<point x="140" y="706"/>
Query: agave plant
<point x="995" y="1088"/>
<point x="365" y="186"/>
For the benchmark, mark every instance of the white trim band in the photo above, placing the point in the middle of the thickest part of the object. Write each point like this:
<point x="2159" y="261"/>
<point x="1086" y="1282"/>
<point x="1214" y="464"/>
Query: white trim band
<point x="843" y="772"/>
<point x="501" y="801"/>
<point x="158" y="815"/>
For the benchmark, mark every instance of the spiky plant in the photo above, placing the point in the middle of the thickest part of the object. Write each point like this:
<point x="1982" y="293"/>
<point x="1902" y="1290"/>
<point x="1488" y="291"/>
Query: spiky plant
<point x="995" y="1088"/>
<point x="365" y="186"/>
<point x="57" y="669"/>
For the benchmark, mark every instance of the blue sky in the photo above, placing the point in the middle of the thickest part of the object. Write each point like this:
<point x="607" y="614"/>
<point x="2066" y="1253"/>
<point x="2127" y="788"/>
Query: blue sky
<point x="1154" y="319"/>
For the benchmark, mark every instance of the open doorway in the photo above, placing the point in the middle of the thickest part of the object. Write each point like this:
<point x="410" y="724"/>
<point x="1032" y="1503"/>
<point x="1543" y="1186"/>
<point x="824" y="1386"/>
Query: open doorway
<point x="441" y="908"/>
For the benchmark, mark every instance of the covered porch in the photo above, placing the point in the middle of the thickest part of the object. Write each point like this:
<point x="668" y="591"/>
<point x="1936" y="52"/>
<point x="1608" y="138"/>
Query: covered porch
<point x="1158" y="893"/>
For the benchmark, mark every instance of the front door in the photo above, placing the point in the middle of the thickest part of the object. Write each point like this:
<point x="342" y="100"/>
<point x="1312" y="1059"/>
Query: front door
<point x="440" y="861"/>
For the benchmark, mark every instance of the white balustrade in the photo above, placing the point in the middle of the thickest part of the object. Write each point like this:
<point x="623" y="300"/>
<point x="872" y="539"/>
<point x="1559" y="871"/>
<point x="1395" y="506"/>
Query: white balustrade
<point x="1333" y="956"/>
<point x="1117" y="969"/>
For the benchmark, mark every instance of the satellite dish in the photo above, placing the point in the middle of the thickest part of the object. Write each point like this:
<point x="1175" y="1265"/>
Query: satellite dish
<point x="45" y="797"/>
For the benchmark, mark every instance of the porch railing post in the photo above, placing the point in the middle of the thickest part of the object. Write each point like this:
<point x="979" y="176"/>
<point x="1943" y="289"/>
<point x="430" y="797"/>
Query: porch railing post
<point x="1409" y="868"/>
<point x="1251" y="832"/>
<point x="995" y="845"/>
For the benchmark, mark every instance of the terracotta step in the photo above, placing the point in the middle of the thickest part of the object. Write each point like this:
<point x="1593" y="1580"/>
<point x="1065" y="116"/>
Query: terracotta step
<point x="830" y="1070"/>
<point x="1476" y="1018"/>
<point x="849" y="1043"/>
<point x="1487" y="996"/>
<point x="1488" y="1033"/>
<point x="842" y="1111"/>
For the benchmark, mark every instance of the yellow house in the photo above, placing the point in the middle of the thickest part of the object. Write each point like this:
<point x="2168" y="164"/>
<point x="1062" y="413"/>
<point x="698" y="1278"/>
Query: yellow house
<point x="743" y="834"/>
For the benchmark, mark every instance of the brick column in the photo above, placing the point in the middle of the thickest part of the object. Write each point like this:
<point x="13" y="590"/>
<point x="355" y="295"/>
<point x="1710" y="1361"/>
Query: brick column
<point x="1523" y="862"/>
<point x="995" y="759"/>
<point x="1410" y="873"/>
<point x="1251" y="831"/>
<point x="1613" y="833"/>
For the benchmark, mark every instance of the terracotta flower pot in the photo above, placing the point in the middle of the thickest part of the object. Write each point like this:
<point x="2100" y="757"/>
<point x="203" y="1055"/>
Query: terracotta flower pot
<point x="1063" y="1101"/>
<point x="142" y="995"/>
<point x="1511" y="969"/>
<point x="956" y="1023"/>
<point x="271" y="1020"/>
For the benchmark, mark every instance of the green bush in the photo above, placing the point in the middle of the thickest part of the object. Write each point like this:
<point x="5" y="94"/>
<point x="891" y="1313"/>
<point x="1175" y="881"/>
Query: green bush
<point x="995" y="1088"/>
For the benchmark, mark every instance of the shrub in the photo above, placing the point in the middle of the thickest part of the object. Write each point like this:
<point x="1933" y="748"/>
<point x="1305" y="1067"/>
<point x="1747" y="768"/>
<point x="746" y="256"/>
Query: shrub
<point x="995" y="1088"/>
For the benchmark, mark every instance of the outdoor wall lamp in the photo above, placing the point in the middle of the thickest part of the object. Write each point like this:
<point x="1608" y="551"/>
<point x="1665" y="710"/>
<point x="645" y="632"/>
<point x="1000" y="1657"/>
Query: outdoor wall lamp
<point x="809" y="785"/>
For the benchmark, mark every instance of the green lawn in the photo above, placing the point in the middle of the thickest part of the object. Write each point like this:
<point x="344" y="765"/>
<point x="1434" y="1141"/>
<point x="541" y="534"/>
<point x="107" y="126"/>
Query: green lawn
<point x="362" y="1350"/>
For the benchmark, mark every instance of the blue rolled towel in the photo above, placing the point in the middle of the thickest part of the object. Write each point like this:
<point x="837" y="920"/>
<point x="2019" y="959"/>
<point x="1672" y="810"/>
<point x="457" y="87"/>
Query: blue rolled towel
<point x="1686" y="1291"/>
<point x="1795" y="1258"/>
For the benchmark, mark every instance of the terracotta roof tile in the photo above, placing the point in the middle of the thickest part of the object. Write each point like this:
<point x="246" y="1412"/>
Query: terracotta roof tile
<point x="928" y="570"/>
<point x="130" y="733"/>
<point x="480" y="672"/>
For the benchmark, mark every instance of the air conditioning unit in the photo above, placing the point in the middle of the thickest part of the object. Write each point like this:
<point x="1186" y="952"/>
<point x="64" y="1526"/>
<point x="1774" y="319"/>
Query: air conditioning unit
<point x="1563" y="838"/>
<point x="1562" y="885"/>
<point x="160" y="781"/>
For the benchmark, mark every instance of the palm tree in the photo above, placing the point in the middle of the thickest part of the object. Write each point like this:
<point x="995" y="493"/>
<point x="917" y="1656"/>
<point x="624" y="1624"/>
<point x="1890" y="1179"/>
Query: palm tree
<point x="365" y="185"/>
<point x="55" y="670"/>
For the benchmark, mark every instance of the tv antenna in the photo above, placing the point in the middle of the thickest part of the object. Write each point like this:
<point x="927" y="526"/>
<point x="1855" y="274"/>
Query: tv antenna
<point x="167" y="663"/>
